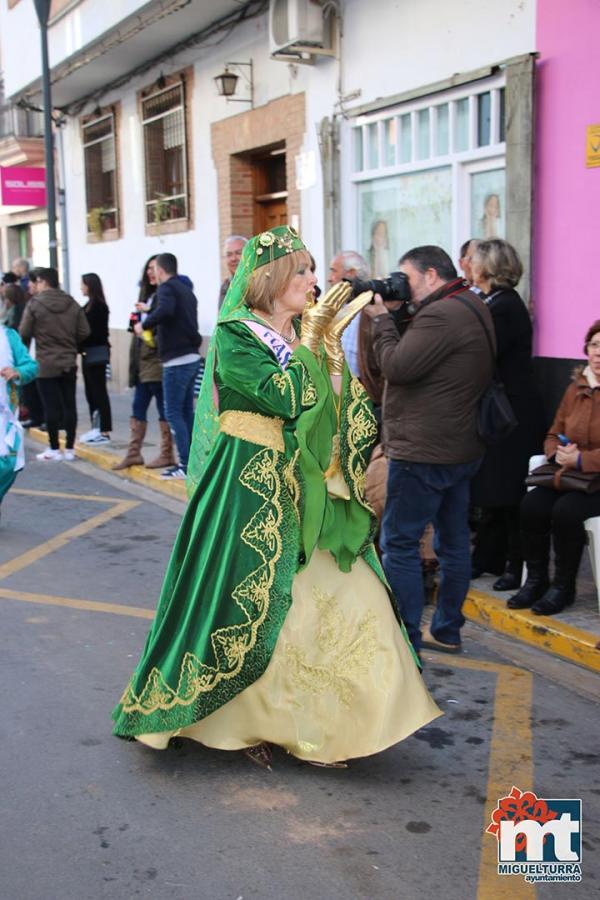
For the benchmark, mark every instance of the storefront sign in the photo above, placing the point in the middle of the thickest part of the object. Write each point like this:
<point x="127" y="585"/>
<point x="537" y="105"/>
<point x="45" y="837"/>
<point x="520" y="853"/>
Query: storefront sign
<point x="23" y="186"/>
<point x="592" y="146"/>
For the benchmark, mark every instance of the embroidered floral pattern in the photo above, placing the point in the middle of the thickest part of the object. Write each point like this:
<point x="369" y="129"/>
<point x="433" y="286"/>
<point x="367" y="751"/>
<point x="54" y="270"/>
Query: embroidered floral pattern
<point x="231" y="644"/>
<point x="348" y="649"/>
<point x="292" y="484"/>
<point x="361" y="432"/>
<point x="309" y="391"/>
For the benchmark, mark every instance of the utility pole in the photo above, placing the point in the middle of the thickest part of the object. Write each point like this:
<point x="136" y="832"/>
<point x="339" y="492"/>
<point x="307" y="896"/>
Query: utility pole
<point x="42" y="8"/>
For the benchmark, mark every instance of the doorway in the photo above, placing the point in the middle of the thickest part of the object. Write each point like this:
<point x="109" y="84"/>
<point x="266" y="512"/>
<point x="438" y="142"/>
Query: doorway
<point x="270" y="207"/>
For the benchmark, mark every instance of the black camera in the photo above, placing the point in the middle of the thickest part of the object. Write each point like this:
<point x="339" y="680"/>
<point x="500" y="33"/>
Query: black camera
<point x="394" y="287"/>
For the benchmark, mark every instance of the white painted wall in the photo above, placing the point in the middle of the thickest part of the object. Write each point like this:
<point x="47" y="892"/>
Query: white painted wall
<point x="389" y="46"/>
<point x="75" y="29"/>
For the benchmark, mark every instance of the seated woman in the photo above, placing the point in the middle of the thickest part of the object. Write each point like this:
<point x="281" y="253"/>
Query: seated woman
<point x="547" y="513"/>
<point x="16" y="369"/>
<point x="275" y="623"/>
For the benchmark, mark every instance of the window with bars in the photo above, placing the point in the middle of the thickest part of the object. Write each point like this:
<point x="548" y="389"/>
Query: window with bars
<point x="163" y="119"/>
<point x="100" y="159"/>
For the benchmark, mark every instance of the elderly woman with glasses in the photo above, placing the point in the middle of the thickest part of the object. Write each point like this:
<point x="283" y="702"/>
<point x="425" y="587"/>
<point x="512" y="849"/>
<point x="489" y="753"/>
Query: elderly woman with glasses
<point x="573" y="442"/>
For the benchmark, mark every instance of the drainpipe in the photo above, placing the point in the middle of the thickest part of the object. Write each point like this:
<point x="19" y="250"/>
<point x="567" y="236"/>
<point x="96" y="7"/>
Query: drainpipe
<point x="330" y="167"/>
<point x="62" y="206"/>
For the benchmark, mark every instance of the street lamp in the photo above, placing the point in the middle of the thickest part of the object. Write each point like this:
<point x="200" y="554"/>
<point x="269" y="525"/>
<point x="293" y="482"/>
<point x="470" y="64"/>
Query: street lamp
<point x="42" y="8"/>
<point x="227" y="81"/>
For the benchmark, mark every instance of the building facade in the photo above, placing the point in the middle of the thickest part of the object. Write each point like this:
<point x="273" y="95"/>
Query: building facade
<point x="382" y="126"/>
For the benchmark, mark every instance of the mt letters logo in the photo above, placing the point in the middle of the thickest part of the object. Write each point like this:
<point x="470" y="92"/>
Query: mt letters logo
<point x="539" y="839"/>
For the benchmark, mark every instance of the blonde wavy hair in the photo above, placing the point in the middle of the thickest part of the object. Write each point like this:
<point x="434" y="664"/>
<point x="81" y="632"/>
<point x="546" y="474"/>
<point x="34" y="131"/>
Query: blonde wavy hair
<point x="499" y="261"/>
<point x="272" y="279"/>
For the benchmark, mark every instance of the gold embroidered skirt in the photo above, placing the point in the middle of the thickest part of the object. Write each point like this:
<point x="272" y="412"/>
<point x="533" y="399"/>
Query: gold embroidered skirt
<point x="341" y="683"/>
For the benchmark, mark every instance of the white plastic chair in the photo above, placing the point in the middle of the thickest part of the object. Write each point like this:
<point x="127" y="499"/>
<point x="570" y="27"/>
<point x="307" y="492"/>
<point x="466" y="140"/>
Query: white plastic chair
<point x="592" y="528"/>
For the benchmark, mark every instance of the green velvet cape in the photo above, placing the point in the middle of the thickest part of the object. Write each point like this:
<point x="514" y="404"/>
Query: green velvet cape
<point x="252" y="523"/>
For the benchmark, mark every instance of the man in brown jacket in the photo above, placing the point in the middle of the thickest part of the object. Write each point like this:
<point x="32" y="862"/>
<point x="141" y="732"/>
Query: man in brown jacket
<point x="58" y="325"/>
<point x="434" y="376"/>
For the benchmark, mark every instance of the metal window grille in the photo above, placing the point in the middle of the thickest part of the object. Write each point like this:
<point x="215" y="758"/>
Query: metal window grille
<point x="101" y="173"/>
<point x="163" y="120"/>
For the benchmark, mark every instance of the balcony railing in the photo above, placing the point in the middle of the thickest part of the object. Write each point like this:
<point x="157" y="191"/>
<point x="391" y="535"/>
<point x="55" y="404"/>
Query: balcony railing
<point x="18" y="122"/>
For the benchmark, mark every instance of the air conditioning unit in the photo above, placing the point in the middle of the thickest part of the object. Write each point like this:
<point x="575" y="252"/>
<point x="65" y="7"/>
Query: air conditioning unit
<point x="298" y="27"/>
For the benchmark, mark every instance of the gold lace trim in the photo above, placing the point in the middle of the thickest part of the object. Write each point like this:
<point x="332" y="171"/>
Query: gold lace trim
<point x="252" y="427"/>
<point x="309" y="391"/>
<point x="230" y="644"/>
<point x="362" y="430"/>
<point x="283" y="381"/>
<point x="348" y="650"/>
<point x="292" y="483"/>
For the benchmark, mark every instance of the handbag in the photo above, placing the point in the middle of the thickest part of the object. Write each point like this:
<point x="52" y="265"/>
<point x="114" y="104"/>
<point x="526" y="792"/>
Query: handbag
<point x="93" y="356"/>
<point x="560" y="478"/>
<point x="495" y="418"/>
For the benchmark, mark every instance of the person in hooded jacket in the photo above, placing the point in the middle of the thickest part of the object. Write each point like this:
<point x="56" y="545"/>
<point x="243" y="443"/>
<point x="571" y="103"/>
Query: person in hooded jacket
<point x="59" y="326"/>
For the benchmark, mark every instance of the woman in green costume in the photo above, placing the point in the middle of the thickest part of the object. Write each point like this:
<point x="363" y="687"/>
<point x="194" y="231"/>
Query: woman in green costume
<point x="275" y="624"/>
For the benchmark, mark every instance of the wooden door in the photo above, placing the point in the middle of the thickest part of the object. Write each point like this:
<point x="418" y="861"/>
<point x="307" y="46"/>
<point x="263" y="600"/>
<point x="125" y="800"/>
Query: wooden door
<point x="270" y="213"/>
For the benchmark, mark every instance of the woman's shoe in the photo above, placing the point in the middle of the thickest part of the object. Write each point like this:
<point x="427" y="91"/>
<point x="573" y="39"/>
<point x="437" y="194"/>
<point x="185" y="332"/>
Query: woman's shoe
<point x="554" y="601"/>
<point x="133" y="457"/>
<point x="567" y="552"/>
<point x="536" y="550"/>
<point x="532" y="591"/>
<point x="260" y="754"/>
<point x="510" y="580"/>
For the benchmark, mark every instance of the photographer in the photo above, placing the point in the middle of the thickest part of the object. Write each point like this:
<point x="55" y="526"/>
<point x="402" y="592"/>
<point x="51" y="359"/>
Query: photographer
<point x="434" y="377"/>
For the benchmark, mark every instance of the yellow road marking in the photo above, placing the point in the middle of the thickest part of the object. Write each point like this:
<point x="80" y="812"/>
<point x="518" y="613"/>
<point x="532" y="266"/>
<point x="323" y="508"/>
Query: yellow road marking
<point x="89" y="605"/>
<point x="30" y="492"/>
<point x="511" y="752"/>
<point x="510" y="762"/>
<point x="55" y="543"/>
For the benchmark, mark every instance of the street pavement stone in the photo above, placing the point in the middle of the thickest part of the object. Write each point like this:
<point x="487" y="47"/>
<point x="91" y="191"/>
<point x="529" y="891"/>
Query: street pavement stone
<point x="86" y="816"/>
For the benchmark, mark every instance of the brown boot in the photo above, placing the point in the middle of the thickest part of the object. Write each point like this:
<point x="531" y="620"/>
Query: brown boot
<point x="133" y="457"/>
<point x="166" y="456"/>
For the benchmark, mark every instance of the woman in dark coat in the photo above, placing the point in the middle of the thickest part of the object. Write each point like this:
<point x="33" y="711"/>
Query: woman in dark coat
<point x="499" y="485"/>
<point x="95" y="352"/>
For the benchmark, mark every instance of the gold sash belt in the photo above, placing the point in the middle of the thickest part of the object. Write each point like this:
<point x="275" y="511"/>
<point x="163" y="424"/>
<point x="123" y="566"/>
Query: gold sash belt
<point x="252" y="427"/>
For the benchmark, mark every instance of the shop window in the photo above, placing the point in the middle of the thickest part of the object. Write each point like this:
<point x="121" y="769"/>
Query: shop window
<point x="431" y="171"/>
<point x="165" y="155"/>
<point x="100" y="162"/>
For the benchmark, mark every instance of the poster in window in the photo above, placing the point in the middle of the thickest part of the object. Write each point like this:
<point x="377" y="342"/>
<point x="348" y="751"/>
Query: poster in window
<point x="488" y="204"/>
<point x="401" y="212"/>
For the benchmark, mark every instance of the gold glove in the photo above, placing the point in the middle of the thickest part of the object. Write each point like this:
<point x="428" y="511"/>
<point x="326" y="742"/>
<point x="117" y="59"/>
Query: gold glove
<point x="315" y="318"/>
<point x="332" y="337"/>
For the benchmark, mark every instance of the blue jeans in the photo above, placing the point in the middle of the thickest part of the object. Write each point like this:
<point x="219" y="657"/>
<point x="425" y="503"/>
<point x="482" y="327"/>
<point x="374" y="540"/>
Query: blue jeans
<point x="144" y="392"/>
<point x="419" y="493"/>
<point x="178" y="387"/>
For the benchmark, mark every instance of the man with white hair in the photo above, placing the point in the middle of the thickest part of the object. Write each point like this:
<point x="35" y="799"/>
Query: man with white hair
<point x="232" y="251"/>
<point x="20" y="268"/>
<point x="347" y="265"/>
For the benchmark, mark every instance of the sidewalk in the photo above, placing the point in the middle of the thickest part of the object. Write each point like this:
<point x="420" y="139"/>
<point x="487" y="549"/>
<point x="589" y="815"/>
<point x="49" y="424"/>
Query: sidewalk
<point x="572" y="635"/>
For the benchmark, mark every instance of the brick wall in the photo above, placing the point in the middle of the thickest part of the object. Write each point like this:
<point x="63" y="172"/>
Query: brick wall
<point x="279" y="120"/>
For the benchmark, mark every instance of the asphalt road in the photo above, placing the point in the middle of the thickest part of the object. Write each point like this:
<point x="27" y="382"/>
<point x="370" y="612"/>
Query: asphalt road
<point x="85" y="816"/>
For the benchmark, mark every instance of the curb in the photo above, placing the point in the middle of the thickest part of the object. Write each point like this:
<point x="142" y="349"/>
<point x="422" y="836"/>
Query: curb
<point x="544" y="632"/>
<point x="148" y="477"/>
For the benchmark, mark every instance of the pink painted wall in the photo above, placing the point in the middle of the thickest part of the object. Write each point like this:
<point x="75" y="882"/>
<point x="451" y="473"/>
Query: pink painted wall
<point x="566" y="237"/>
